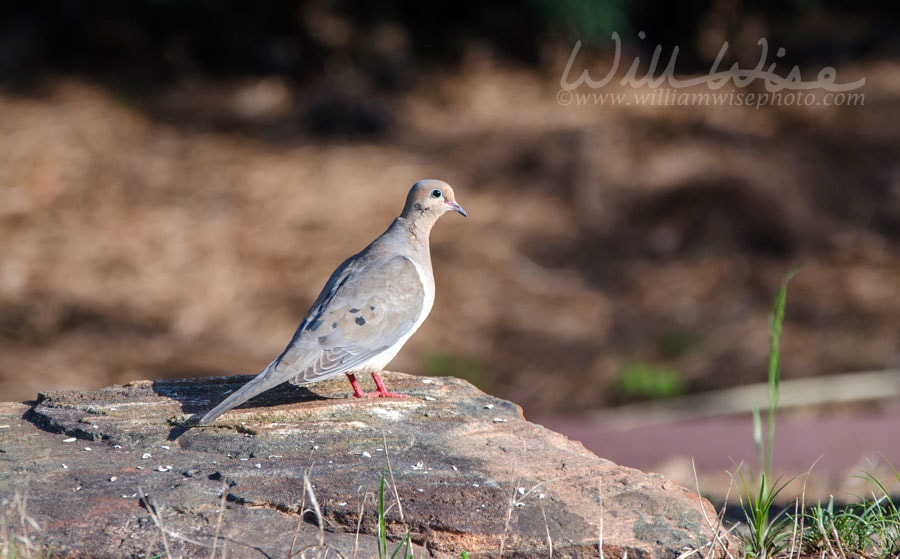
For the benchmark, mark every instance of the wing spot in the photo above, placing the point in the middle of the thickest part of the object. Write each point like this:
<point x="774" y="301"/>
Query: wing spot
<point x="315" y="325"/>
<point x="354" y="310"/>
<point x="372" y="307"/>
<point x="334" y="324"/>
<point x="360" y="320"/>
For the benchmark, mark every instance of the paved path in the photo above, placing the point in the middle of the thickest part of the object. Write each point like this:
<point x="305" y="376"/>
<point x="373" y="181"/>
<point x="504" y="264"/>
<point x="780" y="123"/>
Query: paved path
<point x="843" y="442"/>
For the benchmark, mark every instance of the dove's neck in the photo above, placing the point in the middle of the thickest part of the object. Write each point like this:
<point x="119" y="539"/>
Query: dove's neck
<point x="415" y="233"/>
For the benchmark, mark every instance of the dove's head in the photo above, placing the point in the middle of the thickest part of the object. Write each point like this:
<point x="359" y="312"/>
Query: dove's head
<point x="430" y="199"/>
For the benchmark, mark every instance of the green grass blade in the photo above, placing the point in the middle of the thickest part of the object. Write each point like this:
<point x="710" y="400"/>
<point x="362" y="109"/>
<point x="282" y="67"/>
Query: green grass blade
<point x="767" y="535"/>
<point x="382" y="538"/>
<point x="399" y="547"/>
<point x="758" y="441"/>
<point x="776" y="320"/>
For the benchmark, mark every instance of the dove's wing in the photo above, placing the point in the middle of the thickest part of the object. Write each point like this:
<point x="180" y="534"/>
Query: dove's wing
<point x="364" y="310"/>
<point x="373" y="309"/>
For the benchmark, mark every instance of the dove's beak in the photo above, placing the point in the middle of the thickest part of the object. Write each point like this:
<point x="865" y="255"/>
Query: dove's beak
<point x="456" y="208"/>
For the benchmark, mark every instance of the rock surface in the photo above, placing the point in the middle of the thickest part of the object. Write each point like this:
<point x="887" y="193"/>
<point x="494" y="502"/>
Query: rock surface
<point x="471" y="474"/>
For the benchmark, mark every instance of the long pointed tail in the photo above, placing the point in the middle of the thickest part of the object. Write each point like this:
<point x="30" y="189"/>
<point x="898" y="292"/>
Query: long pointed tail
<point x="265" y="380"/>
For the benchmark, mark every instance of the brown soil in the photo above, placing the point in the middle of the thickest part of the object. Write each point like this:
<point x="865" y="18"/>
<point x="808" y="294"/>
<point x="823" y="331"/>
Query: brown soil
<point x="150" y="240"/>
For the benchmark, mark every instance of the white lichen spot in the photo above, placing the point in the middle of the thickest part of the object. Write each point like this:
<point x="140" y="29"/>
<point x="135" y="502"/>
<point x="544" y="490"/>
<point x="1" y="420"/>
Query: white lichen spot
<point x="500" y="420"/>
<point x="257" y="466"/>
<point x="164" y="447"/>
<point x="164" y="468"/>
<point x="64" y="467"/>
<point x="366" y="454"/>
<point x="70" y="440"/>
<point x="521" y="490"/>
<point x="146" y="455"/>
<point x="389" y="414"/>
<point x="419" y="466"/>
<point x="113" y="478"/>
<point x="489" y="407"/>
<point x="430" y="399"/>
<point x="342" y="504"/>
<point x="88" y="448"/>
<point x="427" y="381"/>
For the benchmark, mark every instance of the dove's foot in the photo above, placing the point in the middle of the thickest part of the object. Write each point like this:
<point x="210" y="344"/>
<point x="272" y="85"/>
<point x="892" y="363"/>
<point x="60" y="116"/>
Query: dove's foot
<point x="381" y="391"/>
<point x="385" y="394"/>
<point x="357" y="391"/>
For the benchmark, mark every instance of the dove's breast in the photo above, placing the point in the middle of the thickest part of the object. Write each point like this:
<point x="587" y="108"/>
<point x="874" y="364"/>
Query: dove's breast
<point x="381" y="360"/>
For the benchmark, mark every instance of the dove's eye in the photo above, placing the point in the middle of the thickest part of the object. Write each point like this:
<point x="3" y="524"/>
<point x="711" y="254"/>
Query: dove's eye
<point x="436" y="193"/>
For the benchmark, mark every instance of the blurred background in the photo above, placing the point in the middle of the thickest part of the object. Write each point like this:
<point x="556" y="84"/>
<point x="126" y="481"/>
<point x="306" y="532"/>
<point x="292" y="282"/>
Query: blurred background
<point x="178" y="180"/>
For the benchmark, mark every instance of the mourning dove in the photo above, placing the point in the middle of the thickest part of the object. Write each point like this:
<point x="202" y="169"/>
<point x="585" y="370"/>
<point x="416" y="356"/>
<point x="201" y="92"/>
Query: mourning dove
<point x="369" y="308"/>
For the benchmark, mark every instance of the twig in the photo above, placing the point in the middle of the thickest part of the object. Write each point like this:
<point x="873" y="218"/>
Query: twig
<point x="19" y="505"/>
<point x="393" y="483"/>
<point x="212" y="553"/>
<point x="362" y="506"/>
<point x="826" y="538"/>
<point x="794" y="531"/>
<point x="509" y="509"/>
<point x="709" y="545"/>
<point x="721" y="522"/>
<point x="837" y="539"/>
<point x="803" y="507"/>
<point x="600" y="503"/>
<point x="177" y="536"/>
<point x="546" y="527"/>
<point x="320" y="546"/>
<point x="537" y="485"/>
<point x="514" y="502"/>
<point x="154" y="515"/>
<point x="4" y="531"/>
<point x="308" y="473"/>
<point x="315" y="504"/>
<point x="709" y="523"/>
<point x="151" y="508"/>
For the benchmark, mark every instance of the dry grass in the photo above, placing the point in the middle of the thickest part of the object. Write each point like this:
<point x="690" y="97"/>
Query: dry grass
<point x="19" y="531"/>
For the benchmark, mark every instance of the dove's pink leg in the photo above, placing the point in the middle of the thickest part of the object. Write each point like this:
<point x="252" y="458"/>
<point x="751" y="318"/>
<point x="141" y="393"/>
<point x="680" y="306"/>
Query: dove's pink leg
<point x="357" y="391"/>
<point x="382" y="391"/>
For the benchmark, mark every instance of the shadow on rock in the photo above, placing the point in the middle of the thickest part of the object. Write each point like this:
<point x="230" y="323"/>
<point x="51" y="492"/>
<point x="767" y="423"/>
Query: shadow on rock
<point x="200" y="396"/>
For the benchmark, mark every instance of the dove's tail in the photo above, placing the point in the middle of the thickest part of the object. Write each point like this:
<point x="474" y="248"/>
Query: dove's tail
<point x="265" y="380"/>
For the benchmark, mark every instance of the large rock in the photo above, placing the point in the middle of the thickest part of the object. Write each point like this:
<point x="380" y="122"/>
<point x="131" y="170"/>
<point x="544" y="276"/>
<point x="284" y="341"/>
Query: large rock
<point x="471" y="474"/>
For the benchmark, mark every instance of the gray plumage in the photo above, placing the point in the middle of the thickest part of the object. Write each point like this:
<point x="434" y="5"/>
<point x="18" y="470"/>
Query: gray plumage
<point x="369" y="307"/>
